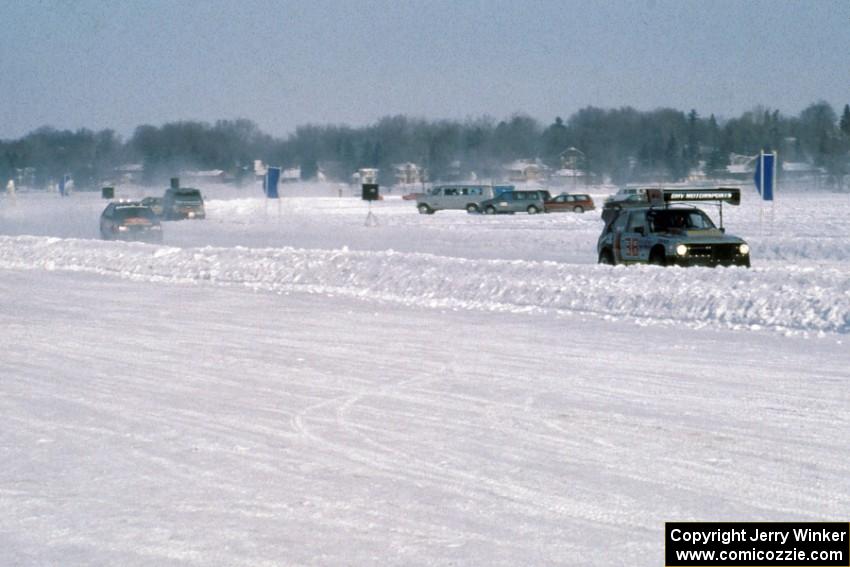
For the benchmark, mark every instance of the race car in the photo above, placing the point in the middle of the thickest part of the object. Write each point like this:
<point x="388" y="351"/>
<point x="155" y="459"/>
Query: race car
<point x="666" y="230"/>
<point x="183" y="203"/>
<point x="130" y="220"/>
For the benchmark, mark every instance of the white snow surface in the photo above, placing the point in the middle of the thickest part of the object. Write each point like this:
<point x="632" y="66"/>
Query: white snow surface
<point x="800" y="282"/>
<point x="282" y="385"/>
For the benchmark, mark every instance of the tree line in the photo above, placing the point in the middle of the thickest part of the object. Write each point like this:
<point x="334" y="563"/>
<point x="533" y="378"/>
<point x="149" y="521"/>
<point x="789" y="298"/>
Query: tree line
<point x="621" y="144"/>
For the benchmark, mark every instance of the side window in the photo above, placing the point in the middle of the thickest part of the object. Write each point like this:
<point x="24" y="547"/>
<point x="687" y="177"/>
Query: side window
<point x="620" y="224"/>
<point x="475" y="191"/>
<point x="636" y="220"/>
<point x="450" y="191"/>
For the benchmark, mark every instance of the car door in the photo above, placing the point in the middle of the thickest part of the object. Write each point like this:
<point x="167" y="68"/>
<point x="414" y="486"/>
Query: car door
<point x="556" y="204"/>
<point x="617" y="231"/>
<point x="433" y="198"/>
<point x="450" y="197"/>
<point x="633" y="242"/>
<point x="521" y="200"/>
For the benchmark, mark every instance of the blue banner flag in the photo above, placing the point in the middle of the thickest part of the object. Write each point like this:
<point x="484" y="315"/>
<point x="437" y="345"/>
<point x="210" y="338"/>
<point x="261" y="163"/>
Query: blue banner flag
<point x="765" y="175"/>
<point x="270" y="182"/>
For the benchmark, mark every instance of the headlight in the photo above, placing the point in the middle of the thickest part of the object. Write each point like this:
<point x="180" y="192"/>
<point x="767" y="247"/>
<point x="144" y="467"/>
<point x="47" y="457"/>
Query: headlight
<point x="123" y="229"/>
<point x="744" y="248"/>
<point x="681" y="249"/>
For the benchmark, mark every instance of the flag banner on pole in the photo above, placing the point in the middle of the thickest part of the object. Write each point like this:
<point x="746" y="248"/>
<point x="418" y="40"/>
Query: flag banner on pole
<point x="765" y="175"/>
<point x="270" y="182"/>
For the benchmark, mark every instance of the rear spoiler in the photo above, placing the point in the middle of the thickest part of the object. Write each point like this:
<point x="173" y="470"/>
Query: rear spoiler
<point x="731" y="195"/>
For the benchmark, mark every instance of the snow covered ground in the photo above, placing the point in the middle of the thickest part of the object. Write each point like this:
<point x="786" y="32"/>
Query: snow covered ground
<point x="288" y="386"/>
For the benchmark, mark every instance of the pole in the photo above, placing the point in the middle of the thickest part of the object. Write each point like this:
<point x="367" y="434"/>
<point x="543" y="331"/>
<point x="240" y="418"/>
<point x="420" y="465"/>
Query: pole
<point x="761" y="191"/>
<point x="773" y="195"/>
<point x="371" y="219"/>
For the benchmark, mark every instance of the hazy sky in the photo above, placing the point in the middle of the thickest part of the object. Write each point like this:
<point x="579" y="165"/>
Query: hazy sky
<point x="121" y="63"/>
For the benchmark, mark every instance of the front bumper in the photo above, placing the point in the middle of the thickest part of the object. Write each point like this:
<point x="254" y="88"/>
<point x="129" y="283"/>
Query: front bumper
<point x="691" y="262"/>
<point x="188" y="214"/>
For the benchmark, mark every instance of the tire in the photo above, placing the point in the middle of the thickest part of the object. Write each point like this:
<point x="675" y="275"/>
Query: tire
<point x="578" y="209"/>
<point x="472" y="208"/>
<point x="424" y="209"/>
<point x="606" y="257"/>
<point x="532" y="210"/>
<point x="490" y="210"/>
<point x="657" y="257"/>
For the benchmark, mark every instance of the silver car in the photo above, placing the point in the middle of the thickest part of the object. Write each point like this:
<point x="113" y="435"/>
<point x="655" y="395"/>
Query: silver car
<point x="459" y="197"/>
<point x="531" y="202"/>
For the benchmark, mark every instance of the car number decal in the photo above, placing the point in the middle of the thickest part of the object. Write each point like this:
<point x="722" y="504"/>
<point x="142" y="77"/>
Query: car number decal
<point x="632" y="245"/>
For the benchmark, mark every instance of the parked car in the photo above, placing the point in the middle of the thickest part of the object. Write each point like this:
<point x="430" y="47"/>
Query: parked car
<point x="183" y="203"/>
<point x="130" y="221"/>
<point x="531" y="202"/>
<point x="566" y="202"/>
<point x="665" y="232"/>
<point x="459" y="197"/>
<point x="155" y="203"/>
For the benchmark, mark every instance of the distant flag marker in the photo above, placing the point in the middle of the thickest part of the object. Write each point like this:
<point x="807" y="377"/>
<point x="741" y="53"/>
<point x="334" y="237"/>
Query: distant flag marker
<point x="270" y="182"/>
<point x="765" y="175"/>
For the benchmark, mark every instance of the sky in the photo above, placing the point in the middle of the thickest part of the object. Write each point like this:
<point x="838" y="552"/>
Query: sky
<point x="103" y="64"/>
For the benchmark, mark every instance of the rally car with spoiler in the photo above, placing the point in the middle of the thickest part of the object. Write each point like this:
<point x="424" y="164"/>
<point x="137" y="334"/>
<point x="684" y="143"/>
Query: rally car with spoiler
<point x="666" y="229"/>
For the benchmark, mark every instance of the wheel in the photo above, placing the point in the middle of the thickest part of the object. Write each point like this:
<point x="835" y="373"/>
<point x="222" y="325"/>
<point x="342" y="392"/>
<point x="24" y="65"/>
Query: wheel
<point x="424" y="209"/>
<point x="490" y="210"/>
<point x="605" y="257"/>
<point x="578" y="209"/>
<point x="472" y="208"/>
<point x="532" y="210"/>
<point x="657" y="257"/>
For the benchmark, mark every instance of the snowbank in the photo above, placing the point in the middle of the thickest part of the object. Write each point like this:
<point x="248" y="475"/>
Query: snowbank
<point x="785" y="298"/>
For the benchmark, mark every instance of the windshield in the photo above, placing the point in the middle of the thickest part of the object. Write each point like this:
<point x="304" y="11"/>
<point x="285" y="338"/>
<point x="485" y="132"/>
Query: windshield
<point x="190" y="196"/>
<point x="679" y="219"/>
<point x="131" y="212"/>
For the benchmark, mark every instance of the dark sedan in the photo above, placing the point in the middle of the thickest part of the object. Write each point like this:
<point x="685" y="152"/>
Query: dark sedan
<point x="130" y="221"/>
